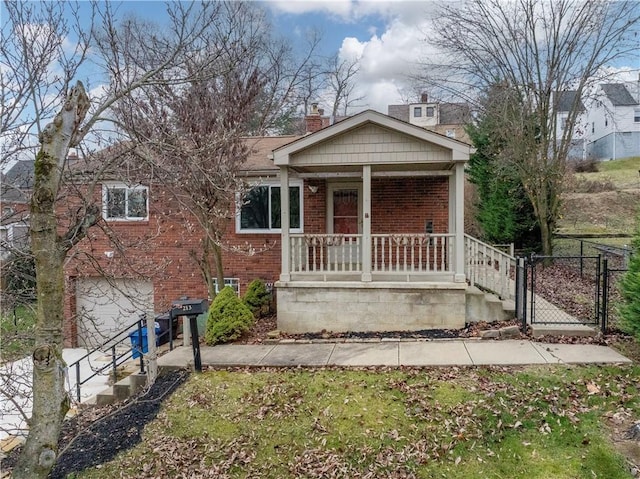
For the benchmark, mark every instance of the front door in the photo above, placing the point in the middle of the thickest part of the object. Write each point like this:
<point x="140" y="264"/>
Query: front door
<point x="344" y="218"/>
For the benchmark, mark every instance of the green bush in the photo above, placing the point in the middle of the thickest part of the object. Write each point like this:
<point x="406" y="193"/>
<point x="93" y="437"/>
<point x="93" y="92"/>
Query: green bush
<point x="229" y="318"/>
<point x="257" y="298"/>
<point x="629" y="309"/>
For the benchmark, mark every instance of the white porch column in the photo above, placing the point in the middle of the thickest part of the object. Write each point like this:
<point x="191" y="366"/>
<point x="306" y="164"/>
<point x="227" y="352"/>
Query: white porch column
<point x="285" y="273"/>
<point x="459" y="223"/>
<point x="366" y="223"/>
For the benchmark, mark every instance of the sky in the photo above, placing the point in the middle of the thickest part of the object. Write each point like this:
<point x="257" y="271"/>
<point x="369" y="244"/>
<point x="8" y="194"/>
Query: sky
<point x="389" y="37"/>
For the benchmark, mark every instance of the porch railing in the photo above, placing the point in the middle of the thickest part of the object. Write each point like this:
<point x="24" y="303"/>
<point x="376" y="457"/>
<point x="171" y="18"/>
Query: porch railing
<point x="390" y="253"/>
<point x="411" y="253"/>
<point x="489" y="268"/>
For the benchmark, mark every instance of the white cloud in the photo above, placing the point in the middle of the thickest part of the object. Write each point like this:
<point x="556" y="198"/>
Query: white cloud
<point x="387" y="61"/>
<point x="338" y="8"/>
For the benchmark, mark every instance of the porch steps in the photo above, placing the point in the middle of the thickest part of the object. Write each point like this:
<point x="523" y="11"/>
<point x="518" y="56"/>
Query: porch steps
<point x="483" y="306"/>
<point x="121" y="390"/>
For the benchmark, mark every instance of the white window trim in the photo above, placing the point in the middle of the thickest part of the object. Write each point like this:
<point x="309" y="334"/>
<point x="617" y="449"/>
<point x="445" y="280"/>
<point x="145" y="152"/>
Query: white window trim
<point x="292" y="182"/>
<point x="113" y="185"/>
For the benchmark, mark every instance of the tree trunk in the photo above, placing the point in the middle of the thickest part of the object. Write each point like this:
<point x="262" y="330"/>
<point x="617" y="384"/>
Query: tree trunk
<point x="50" y="399"/>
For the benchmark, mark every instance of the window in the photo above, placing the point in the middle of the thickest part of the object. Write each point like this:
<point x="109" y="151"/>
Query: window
<point x="125" y="203"/>
<point x="233" y="282"/>
<point x="636" y="116"/>
<point x="417" y="111"/>
<point x="593" y="127"/>
<point x="606" y="121"/>
<point x="260" y="210"/>
<point x="430" y="111"/>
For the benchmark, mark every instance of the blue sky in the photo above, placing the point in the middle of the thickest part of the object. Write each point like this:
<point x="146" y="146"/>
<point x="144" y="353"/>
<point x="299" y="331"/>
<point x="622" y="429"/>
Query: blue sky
<point x="387" y="35"/>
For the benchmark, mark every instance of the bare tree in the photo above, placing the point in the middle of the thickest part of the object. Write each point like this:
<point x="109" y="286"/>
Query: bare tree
<point x="192" y="134"/>
<point x="536" y="49"/>
<point x="37" y="71"/>
<point x="341" y="75"/>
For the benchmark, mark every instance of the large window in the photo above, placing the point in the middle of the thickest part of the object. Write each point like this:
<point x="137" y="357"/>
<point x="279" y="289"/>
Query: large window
<point x="636" y="116"/>
<point x="122" y="202"/>
<point x="260" y="210"/>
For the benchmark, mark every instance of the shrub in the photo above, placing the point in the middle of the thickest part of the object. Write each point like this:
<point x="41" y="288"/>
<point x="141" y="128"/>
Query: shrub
<point x="229" y="318"/>
<point x="629" y="310"/>
<point x="257" y="298"/>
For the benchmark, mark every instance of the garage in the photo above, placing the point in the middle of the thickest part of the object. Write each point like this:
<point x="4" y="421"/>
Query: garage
<point x="105" y="306"/>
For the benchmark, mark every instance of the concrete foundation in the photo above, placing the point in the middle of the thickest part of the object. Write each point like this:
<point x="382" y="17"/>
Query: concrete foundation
<point x="305" y="307"/>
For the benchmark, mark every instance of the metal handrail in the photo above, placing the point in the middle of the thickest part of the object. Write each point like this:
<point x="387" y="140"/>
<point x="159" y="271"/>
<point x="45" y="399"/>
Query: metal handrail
<point x="116" y="359"/>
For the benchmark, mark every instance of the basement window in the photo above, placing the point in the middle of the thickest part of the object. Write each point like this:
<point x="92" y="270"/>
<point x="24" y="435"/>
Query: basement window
<point x="233" y="282"/>
<point x="125" y="203"/>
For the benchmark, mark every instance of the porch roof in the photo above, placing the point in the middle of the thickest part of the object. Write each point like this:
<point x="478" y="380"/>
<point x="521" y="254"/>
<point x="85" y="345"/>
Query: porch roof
<point x="371" y="138"/>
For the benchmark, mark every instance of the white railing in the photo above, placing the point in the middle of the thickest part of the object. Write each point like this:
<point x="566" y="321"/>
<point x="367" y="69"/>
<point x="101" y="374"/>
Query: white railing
<point x="311" y="253"/>
<point x="489" y="268"/>
<point x="412" y="253"/>
<point x="390" y="253"/>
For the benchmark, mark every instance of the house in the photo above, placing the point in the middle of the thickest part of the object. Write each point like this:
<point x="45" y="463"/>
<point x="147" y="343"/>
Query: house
<point x="567" y="102"/>
<point x="614" y="121"/>
<point x="15" y="192"/>
<point x="448" y="119"/>
<point x="359" y="227"/>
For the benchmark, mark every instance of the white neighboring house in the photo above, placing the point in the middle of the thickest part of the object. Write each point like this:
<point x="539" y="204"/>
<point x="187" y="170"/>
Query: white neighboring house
<point x="614" y="121"/>
<point x="448" y="119"/>
<point x="567" y="101"/>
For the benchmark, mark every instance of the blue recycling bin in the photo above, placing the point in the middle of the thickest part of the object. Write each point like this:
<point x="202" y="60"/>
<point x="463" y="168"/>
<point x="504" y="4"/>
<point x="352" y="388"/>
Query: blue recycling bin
<point x="138" y="343"/>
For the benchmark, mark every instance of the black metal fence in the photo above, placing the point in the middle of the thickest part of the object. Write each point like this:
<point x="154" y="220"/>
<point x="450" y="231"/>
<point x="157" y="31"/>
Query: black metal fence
<point x="568" y="289"/>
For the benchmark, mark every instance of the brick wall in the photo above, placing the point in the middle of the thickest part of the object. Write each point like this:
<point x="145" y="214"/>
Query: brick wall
<point x="161" y="249"/>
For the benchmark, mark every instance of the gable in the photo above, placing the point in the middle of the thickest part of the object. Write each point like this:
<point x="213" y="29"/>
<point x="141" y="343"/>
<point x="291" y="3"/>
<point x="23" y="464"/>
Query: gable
<point x="371" y="144"/>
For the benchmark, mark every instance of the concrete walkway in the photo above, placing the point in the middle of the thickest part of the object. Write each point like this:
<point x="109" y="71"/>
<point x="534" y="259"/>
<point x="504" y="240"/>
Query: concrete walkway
<point x="394" y="353"/>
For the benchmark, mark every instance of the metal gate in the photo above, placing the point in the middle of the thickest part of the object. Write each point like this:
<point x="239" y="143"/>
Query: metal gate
<point x="610" y="292"/>
<point x="559" y="290"/>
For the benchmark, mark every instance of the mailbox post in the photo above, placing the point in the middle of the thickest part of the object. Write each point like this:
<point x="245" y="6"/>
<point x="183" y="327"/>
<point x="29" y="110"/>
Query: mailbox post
<point x="191" y="308"/>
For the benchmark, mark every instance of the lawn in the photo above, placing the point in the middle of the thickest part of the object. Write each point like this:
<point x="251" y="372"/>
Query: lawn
<point x="534" y="422"/>
<point x="17" y="332"/>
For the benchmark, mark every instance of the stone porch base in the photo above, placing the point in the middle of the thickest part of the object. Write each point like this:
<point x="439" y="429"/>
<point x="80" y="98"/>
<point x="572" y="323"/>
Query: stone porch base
<point x="306" y="306"/>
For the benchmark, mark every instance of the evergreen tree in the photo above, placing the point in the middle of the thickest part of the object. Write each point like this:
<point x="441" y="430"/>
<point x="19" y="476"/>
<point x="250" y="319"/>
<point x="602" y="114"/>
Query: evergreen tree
<point x="629" y="309"/>
<point x="504" y="211"/>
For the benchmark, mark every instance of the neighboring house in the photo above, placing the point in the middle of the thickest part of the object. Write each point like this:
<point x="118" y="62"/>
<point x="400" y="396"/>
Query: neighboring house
<point x="448" y="119"/>
<point x="15" y="192"/>
<point x="614" y="121"/>
<point x="360" y="226"/>
<point x="567" y="101"/>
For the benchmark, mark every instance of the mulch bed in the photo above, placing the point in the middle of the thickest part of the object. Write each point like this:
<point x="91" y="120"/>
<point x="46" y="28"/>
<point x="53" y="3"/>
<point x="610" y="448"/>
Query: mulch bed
<point x="97" y="434"/>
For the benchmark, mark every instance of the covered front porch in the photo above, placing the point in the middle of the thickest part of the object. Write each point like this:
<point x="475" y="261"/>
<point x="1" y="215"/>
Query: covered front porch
<point x="381" y="243"/>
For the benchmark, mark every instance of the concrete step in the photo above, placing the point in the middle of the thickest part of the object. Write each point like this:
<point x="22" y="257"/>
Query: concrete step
<point x="105" y="397"/>
<point x="577" y="329"/>
<point x="483" y="306"/>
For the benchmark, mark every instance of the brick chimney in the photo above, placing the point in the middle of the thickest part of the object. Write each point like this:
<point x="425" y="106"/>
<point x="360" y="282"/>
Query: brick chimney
<point x="313" y="121"/>
<point x="424" y="98"/>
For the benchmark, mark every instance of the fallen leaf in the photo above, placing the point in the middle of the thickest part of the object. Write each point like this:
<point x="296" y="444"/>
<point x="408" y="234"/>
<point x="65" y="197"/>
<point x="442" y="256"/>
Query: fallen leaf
<point x="593" y="388"/>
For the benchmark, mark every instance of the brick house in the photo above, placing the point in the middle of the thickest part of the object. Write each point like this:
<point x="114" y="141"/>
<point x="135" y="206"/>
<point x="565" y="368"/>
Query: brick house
<point x="359" y="226"/>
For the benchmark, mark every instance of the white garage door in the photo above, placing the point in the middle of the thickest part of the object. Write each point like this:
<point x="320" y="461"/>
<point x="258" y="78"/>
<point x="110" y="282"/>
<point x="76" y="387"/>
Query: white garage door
<point x="106" y="306"/>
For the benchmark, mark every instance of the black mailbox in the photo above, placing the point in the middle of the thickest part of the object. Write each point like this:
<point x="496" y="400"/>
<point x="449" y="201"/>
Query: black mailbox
<point x="189" y="307"/>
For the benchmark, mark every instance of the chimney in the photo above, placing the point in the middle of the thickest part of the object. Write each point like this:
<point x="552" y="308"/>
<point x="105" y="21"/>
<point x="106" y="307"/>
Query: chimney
<point x="424" y="98"/>
<point x="313" y="121"/>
